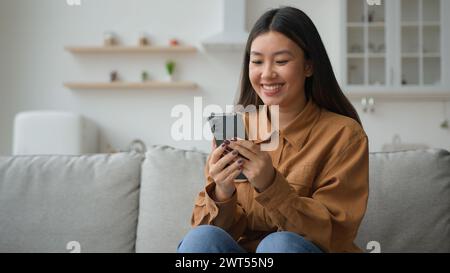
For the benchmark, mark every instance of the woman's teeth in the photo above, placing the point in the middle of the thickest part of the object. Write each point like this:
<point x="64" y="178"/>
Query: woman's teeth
<point x="272" y="86"/>
<point x="271" y="90"/>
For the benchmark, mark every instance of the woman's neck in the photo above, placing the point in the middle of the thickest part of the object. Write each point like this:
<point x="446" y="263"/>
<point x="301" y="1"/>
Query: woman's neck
<point x="287" y="114"/>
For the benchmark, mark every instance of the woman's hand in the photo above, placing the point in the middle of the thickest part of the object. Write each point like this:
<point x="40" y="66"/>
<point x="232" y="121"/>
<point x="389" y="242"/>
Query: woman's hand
<point x="258" y="168"/>
<point x="222" y="174"/>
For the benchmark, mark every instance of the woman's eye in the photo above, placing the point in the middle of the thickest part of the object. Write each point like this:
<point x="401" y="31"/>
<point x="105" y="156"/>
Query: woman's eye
<point x="282" y="62"/>
<point x="256" y="62"/>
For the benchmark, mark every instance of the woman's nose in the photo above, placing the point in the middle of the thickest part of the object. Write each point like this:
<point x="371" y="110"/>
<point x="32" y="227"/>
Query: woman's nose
<point x="268" y="72"/>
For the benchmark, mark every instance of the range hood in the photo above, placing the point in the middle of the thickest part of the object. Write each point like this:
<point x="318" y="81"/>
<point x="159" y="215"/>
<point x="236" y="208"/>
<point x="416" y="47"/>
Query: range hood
<point x="233" y="36"/>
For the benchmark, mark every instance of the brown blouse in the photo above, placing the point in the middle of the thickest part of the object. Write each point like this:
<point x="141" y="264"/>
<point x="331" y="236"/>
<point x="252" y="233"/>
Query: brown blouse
<point x="320" y="190"/>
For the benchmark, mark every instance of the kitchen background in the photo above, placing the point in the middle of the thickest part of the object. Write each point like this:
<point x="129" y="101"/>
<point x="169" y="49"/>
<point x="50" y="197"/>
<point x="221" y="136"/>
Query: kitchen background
<point x="34" y="65"/>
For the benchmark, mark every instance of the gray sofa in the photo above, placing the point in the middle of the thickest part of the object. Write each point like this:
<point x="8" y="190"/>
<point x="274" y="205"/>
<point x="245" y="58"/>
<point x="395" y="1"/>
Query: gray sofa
<point x="130" y="202"/>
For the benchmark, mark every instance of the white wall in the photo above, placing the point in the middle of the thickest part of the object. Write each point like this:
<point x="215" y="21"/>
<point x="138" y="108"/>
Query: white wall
<point x="34" y="65"/>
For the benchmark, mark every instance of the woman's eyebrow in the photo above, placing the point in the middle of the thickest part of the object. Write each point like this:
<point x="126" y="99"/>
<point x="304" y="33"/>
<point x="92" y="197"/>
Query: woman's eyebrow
<point x="285" y="51"/>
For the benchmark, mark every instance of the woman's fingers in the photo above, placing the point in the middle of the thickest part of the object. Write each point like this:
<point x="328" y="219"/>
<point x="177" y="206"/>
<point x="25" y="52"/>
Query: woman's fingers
<point x="213" y="144"/>
<point x="233" y="167"/>
<point x="224" y="161"/>
<point x="228" y="173"/>
<point x="232" y="176"/>
<point x="244" y="151"/>
<point x="254" y="148"/>
<point x="217" y="153"/>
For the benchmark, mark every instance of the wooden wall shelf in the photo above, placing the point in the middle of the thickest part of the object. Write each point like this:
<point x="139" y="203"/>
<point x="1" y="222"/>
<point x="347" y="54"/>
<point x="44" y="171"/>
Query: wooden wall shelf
<point x="131" y="85"/>
<point x="131" y="49"/>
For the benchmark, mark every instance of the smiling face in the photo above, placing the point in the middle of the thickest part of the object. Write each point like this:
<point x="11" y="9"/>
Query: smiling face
<point x="278" y="69"/>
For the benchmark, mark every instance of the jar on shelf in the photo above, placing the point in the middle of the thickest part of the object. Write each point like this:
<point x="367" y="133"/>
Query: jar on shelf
<point x="174" y="42"/>
<point x="113" y="76"/>
<point x="109" y="38"/>
<point x="143" y="40"/>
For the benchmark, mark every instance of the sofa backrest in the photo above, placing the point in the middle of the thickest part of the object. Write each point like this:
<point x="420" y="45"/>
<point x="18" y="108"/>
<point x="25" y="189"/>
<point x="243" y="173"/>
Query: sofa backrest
<point x="408" y="210"/>
<point x="60" y="203"/>
<point x="49" y="202"/>
<point x="171" y="179"/>
<point x="409" y="202"/>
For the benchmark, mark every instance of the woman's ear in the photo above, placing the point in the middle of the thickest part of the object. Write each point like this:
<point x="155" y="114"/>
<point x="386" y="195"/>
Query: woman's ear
<point x="309" y="69"/>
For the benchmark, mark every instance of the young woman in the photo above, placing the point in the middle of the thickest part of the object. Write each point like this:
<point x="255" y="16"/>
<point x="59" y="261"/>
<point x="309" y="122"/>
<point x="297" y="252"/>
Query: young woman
<point x="309" y="194"/>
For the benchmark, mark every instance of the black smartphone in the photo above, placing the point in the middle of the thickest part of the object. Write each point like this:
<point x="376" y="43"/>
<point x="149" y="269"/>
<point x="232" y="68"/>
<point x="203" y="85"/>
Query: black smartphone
<point x="227" y="126"/>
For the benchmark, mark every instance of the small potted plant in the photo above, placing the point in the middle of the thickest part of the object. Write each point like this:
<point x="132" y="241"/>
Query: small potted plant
<point x="170" y="68"/>
<point x="144" y="76"/>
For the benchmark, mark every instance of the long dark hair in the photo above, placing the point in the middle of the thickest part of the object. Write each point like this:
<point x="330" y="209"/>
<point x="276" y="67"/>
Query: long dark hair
<point x="322" y="87"/>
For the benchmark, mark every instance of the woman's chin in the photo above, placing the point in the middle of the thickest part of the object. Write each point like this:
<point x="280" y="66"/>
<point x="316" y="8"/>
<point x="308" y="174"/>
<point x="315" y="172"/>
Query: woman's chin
<point x="271" y="101"/>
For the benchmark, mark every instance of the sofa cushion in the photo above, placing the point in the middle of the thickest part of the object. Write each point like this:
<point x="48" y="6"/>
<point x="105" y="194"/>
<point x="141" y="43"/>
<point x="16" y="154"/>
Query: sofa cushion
<point x="171" y="179"/>
<point x="409" y="204"/>
<point x="48" y="201"/>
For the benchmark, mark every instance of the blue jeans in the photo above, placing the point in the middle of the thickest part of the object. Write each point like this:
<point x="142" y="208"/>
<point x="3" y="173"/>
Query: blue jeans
<point x="212" y="239"/>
